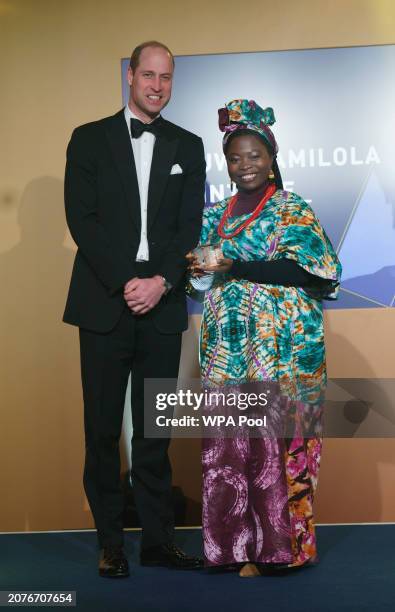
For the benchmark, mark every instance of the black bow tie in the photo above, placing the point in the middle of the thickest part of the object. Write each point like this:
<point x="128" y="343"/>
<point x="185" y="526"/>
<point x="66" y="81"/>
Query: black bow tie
<point x="137" y="127"/>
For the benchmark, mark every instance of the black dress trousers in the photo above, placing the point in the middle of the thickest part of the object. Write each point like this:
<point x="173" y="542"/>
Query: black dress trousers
<point x="134" y="345"/>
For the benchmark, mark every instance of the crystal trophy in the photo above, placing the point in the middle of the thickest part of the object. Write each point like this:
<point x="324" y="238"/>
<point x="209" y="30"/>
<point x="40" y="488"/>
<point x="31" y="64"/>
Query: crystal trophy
<point x="208" y="255"/>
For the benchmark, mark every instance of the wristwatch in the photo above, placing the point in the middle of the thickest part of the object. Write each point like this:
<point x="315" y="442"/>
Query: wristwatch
<point x="166" y="284"/>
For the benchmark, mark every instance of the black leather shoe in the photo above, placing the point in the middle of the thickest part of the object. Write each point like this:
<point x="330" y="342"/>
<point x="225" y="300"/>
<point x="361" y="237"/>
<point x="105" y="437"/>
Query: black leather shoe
<point x="169" y="555"/>
<point x="113" y="563"/>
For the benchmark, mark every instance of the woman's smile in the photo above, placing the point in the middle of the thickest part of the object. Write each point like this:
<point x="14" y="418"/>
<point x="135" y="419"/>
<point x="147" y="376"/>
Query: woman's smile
<point x="246" y="178"/>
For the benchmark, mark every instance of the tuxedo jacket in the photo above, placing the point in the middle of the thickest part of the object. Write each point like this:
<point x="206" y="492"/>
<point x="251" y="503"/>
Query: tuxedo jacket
<point x="103" y="214"/>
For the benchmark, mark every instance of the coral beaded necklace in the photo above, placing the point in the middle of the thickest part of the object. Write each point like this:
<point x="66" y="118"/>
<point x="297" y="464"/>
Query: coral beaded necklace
<point x="229" y="209"/>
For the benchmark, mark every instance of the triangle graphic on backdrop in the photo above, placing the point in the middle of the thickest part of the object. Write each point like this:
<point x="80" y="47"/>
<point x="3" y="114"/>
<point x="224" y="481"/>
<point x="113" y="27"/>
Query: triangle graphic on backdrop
<point x="367" y="249"/>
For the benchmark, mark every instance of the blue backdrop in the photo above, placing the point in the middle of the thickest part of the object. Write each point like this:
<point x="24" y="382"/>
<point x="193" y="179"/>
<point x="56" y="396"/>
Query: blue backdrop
<point x="335" y="128"/>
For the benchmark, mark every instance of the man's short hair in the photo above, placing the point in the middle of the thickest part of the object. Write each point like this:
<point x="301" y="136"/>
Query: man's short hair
<point x="135" y="57"/>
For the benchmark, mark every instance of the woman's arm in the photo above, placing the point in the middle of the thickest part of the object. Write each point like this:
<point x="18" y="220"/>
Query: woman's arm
<point x="274" y="272"/>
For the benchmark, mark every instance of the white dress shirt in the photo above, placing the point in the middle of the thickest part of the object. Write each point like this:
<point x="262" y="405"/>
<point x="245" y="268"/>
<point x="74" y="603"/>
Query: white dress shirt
<point x="143" y="148"/>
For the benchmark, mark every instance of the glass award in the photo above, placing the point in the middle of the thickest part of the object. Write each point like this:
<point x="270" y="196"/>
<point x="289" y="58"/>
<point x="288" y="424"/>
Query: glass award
<point x="208" y="255"/>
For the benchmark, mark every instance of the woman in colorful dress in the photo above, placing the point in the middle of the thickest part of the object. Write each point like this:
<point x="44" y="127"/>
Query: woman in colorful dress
<point x="262" y="323"/>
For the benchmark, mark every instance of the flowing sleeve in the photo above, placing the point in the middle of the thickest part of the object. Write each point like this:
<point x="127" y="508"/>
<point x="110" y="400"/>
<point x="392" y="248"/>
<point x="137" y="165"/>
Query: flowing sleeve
<point x="196" y="288"/>
<point x="301" y="238"/>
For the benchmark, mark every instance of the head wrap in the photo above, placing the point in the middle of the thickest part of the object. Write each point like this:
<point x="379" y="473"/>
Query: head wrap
<point x="248" y="115"/>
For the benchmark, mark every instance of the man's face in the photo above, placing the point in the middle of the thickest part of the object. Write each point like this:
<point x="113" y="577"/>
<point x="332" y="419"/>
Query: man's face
<point x="150" y="84"/>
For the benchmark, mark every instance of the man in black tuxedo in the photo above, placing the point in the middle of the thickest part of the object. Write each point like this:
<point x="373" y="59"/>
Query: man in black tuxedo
<point x="134" y="190"/>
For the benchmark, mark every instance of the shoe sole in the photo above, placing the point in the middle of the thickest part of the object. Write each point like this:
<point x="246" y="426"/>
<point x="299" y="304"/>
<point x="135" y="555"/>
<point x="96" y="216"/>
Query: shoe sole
<point x="170" y="566"/>
<point x="105" y="575"/>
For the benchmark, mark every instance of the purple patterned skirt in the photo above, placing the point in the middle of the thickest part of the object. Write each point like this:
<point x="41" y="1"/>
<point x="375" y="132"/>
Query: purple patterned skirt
<point x="257" y="500"/>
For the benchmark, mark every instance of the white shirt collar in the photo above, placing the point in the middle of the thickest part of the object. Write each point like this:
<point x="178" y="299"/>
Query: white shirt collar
<point x="130" y="115"/>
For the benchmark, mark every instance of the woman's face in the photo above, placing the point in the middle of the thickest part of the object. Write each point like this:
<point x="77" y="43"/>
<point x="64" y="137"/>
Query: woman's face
<point x="249" y="162"/>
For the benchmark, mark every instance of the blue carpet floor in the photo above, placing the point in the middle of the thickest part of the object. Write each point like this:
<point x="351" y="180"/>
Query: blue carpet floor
<point x="356" y="572"/>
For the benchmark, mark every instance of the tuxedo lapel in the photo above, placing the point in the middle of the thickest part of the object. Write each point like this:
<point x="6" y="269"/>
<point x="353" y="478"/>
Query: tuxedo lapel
<point x="122" y="152"/>
<point x="162" y="161"/>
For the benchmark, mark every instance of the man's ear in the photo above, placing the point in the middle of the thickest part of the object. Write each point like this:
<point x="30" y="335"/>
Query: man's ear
<point x="130" y="75"/>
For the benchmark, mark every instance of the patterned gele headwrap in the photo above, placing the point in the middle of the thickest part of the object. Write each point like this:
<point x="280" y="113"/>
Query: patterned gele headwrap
<point x="247" y="115"/>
